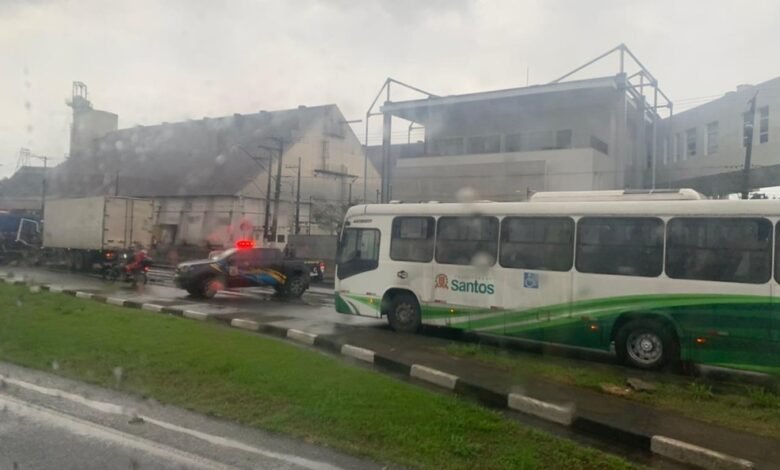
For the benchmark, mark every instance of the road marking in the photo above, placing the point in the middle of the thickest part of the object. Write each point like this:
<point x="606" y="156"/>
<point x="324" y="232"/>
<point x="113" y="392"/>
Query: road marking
<point x="695" y="455"/>
<point x="541" y="409"/>
<point x="152" y="307"/>
<point x="193" y="315"/>
<point x="245" y="324"/>
<point x="358" y="353"/>
<point x="95" y="431"/>
<point x="111" y="408"/>
<point x="116" y="301"/>
<point x="84" y="295"/>
<point x="436" y="377"/>
<point x="301" y="336"/>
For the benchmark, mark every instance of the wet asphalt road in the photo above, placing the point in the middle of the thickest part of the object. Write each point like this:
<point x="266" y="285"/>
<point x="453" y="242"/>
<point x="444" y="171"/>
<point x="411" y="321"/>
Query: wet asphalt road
<point x="48" y="422"/>
<point x="314" y="312"/>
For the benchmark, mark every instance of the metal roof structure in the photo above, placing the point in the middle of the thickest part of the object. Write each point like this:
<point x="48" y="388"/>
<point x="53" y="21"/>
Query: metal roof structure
<point x="207" y="157"/>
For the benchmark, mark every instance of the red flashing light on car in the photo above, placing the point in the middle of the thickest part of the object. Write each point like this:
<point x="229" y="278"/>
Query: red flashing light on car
<point x="244" y="244"/>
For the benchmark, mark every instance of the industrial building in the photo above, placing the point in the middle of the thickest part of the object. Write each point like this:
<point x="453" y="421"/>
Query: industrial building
<point x="588" y="134"/>
<point x="704" y="147"/>
<point x="609" y="132"/>
<point x="216" y="180"/>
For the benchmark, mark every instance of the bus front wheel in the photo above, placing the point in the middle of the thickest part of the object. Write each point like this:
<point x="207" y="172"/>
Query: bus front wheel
<point x="404" y="313"/>
<point x="646" y="344"/>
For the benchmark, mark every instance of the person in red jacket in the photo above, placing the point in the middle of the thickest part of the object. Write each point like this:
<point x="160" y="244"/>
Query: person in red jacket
<point x="139" y="256"/>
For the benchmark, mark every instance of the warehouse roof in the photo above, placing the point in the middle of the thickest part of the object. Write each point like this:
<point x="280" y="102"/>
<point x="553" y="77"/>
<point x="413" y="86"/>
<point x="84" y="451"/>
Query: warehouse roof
<point x="207" y="157"/>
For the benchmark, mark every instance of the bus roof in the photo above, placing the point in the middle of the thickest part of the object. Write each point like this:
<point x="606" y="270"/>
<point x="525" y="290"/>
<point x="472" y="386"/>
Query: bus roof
<point x="766" y="207"/>
<point x="619" y="195"/>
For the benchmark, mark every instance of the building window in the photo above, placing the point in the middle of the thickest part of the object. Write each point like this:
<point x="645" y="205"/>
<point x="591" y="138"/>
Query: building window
<point x="666" y="150"/>
<point x="563" y="139"/>
<point x="484" y="144"/>
<point x="763" y="124"/>
<point x="448" y="146"/>
<point x="678" y="148"/>
<point x="599" y="145"/>
<point x="513" y="143"/>
<point x="690" y="142"/>
<point x="712" y="138"/>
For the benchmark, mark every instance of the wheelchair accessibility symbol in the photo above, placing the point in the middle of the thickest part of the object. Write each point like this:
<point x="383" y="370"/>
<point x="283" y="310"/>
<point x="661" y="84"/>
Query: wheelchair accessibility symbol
<point x="531" y="280"/>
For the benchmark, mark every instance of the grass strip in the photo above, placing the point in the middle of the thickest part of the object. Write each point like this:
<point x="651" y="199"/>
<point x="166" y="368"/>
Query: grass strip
<point x="741" y="407"/>
<point x="272" y="385"/>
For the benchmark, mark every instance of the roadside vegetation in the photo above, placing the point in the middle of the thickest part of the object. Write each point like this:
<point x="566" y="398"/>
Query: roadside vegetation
<point x="273" y="385"/>
<point x="743" y="407"/>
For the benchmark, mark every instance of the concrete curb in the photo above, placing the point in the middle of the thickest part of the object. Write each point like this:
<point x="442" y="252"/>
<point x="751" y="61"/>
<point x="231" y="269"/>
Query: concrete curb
<point x="193" y="315"/>
<point x="563" y="415"/>
<point x="361" y="354"/>
<point x="245" y="324"/>
<point x="695" y="455"/>
<point x="433" y="376"/>
<point x="558" y="414"/>
<point x="302" y="336"/>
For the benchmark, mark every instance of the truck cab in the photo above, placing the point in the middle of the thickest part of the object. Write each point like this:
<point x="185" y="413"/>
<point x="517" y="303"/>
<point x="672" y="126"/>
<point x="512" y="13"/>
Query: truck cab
<point x="241" y="267"/>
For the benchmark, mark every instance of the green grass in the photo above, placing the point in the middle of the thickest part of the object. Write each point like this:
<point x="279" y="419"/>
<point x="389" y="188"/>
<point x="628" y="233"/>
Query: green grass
<point x="272" y="385"/>
<point x="746" y="408"/>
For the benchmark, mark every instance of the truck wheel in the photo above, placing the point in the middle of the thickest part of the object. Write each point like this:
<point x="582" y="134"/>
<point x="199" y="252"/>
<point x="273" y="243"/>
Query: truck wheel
<point x="646" y="344"/>
<point x="295" y="286"/>
<point x="210" y="287"/>
<point x="404" y="314"/>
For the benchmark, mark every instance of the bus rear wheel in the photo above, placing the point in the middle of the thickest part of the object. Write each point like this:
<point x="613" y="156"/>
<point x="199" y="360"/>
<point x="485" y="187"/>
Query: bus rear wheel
<point x="646" y="344"/>
<point x="404" y="314"/>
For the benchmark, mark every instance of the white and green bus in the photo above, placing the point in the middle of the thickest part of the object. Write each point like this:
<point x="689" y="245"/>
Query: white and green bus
<point x="657" y="280"/>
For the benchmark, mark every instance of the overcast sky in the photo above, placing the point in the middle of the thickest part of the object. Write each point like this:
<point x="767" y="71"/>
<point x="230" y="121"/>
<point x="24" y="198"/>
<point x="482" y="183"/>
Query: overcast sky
<point x="153" y="61"/>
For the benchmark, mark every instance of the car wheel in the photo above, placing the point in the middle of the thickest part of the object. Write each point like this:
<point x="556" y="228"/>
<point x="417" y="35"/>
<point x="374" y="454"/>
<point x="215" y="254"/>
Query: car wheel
<point x="193" y="291"/>
<point x="646" y="344"/>
<point x="295" y="286"/>
<point x="211" y="286"/>
<point x="404" y="314"/>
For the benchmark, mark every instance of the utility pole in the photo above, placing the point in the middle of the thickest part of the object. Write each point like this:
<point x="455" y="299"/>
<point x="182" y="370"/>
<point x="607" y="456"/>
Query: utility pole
<point x="748" y="133"/>
<point x="43" y="184"/>
<point x="277" y="188"/>
<point x="267" y="200"/>
<point x="298" y="201"/>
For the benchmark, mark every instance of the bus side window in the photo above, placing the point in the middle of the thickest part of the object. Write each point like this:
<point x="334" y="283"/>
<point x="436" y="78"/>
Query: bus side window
<point x="412" y="239"/>
<point x="467" y="240"/>
<point x="543" y="243"/>
<point x="627" y="246"/>
<point x="719" y="249"/>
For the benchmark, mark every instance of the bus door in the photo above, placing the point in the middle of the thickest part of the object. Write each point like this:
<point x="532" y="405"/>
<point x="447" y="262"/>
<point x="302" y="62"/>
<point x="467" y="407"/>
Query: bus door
<point x="411" y="257"/>
<point x="536" y="257"/>
<point x="465" y="288"/>
<point x="358" y="279"/>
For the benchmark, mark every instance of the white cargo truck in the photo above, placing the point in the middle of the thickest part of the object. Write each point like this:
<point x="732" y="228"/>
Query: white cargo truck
<point x="87" y="232"/>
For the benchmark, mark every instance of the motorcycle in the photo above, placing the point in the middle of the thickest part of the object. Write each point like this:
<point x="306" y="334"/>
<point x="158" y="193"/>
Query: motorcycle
<point x="122" y="272"/>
